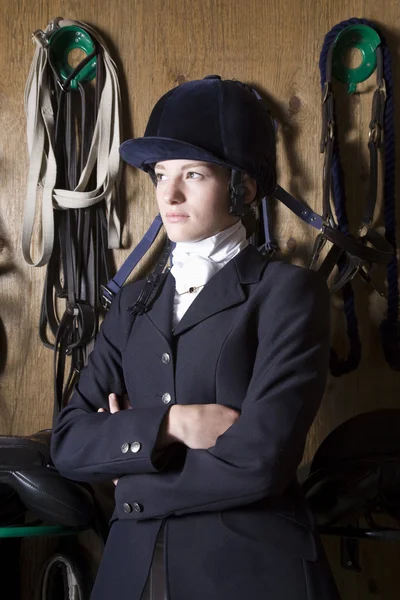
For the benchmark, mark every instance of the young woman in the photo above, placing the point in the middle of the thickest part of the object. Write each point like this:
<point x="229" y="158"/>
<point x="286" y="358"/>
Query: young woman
<point x="224" y="371"/>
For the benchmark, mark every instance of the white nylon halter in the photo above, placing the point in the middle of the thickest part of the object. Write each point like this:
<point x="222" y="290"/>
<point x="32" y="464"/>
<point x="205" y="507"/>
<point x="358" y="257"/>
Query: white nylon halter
<point x="104" y="153"/>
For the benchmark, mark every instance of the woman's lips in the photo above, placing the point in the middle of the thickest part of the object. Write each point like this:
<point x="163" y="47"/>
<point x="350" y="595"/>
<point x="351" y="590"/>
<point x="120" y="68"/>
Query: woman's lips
<point x="176" y="217"/>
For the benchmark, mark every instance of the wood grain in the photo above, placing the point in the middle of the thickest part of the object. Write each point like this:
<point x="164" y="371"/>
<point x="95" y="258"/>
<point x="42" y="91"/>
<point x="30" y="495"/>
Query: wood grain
<point x="159" y="44"/>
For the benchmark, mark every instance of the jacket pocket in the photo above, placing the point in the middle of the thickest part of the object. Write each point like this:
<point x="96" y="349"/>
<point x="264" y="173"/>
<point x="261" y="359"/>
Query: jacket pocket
<point x="265" y="526"/>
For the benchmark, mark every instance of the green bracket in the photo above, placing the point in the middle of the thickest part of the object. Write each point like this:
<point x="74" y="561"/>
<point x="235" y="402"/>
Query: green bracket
<point x="61" y="42"/>
<point x="366" y="40"/>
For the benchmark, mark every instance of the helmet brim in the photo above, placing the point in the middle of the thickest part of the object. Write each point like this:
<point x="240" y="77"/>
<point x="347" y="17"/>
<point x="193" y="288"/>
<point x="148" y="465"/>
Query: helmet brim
<point x="144" y="152"/>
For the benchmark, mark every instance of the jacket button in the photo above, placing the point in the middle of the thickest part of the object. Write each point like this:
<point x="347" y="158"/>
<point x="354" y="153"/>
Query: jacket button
<point x="166" y="359"/>
<point x="135" y="447"/>
<point x="137" y="507"/>
<point x="166" y="398"/>
<point x="127" y="507"/>
<point x="125" y="447"/>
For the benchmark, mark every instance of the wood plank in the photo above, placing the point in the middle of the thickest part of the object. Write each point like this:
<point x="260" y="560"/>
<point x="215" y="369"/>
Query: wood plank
<point x="157" y="44"/>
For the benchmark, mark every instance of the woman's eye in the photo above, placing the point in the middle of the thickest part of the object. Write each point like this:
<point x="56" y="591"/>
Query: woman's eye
<point x="159" y="176"/>
<point x="193" y="175"/>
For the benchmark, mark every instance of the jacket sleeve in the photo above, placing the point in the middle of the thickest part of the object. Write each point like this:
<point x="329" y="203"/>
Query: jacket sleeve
<point x="90" y="446"/>
<point x="257" y="456"/>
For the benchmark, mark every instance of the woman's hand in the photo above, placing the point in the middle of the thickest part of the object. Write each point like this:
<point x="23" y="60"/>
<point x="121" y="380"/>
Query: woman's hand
<point x="116" y="404"/>
<point x="196" y="425"/>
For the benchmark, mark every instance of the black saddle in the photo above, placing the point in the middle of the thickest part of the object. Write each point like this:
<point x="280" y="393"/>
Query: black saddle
<point x="29" y="482"/>
<point x="355" y="474"/>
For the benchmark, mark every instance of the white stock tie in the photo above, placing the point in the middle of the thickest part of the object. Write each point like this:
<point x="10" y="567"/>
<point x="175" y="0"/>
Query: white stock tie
<point x="192" y="271"/>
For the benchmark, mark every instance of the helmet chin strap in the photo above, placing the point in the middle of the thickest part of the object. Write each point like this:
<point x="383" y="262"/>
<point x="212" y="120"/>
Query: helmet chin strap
<point x="153" y="177"/>
<point x="237" y="188"/>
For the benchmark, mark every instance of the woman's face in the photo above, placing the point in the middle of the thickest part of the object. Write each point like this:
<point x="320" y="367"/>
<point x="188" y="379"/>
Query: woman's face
<point x="193" y="199"/>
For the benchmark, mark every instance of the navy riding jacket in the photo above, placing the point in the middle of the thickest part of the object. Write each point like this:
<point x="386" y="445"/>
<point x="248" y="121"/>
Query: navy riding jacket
<point x="256" y="338"/>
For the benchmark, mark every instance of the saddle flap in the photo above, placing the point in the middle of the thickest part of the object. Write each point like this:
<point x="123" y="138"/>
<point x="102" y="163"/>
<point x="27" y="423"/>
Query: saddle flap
<point x="53" y="498"/>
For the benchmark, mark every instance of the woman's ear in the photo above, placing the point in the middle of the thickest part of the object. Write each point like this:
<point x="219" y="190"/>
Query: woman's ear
<point x="251" y="188"/>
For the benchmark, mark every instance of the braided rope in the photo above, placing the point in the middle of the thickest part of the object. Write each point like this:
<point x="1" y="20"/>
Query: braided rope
<point x="390" y="329"/>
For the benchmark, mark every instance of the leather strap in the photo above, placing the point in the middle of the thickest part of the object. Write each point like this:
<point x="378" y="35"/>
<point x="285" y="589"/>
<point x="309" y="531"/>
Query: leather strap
<point x="79" y="176"/>
<point x="298" y="208"/>
<point x="367" y="247"/>
<point x="102" y="162"/>
<point x="115" y="284"/>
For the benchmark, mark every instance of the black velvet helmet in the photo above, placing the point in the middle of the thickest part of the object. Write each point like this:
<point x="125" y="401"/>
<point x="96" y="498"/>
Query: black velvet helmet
<point x="212" y="120"/>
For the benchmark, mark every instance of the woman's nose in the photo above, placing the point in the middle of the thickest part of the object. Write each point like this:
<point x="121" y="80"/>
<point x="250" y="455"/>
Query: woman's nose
<point x="173" y="193"/>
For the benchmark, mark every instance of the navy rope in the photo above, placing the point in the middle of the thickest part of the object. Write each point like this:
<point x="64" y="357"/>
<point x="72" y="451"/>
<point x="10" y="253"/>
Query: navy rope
<point x="390" y="329"/>
<point x="389" y="326"/>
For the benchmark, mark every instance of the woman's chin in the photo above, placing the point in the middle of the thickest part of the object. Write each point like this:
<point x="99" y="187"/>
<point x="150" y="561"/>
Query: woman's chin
<point x="178" y="238"/>
<point x="181" y="233"/>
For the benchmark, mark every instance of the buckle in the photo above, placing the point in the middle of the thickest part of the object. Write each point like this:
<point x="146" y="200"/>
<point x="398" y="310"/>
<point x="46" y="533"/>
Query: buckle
<point x="375" y="133"/>
<point x="269" y="250"/>
<point x="107" y="296"/>
<point x="139" y="308"/>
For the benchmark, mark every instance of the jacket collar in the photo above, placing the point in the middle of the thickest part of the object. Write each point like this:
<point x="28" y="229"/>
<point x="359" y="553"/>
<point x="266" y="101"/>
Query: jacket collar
<point x="250" y="265"/>
<point x="225" y="289"/>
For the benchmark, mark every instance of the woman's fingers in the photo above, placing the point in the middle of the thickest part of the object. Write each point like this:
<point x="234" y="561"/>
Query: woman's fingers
<point x="113" y="403"/>
<point x="116" y="404"/>
<point x="114" y="407"/>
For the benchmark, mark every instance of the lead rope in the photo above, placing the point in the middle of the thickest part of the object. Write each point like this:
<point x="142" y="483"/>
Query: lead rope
<point x="390" y="327"/>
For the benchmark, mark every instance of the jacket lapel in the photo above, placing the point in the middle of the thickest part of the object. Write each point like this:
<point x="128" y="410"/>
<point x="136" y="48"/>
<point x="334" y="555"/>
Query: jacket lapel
<point x="225" y="289"/>
<point x="161" y="312"/>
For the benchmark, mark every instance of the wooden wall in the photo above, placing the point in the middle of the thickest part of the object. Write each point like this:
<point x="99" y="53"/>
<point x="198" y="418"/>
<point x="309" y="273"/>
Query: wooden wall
<point x="157" y="45"/>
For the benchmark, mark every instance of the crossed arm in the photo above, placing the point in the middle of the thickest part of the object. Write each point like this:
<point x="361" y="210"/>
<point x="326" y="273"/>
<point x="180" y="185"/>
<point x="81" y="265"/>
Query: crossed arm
<point x="228" y="460"/>
<point x="197" y="426"/>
